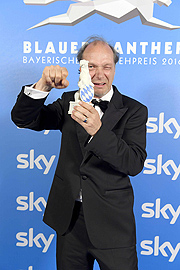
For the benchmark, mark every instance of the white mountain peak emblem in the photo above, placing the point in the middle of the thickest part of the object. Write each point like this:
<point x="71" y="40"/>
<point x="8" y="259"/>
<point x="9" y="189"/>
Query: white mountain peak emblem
<point x="115" y="10"/>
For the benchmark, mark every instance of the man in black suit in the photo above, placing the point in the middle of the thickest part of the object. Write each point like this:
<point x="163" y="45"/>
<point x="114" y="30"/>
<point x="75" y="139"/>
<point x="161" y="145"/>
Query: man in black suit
<point x="90" y="204"/>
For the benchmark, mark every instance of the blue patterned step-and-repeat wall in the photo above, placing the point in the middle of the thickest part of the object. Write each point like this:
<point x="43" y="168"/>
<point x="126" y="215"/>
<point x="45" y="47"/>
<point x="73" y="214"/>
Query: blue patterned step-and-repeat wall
<point x="36" y="33"/>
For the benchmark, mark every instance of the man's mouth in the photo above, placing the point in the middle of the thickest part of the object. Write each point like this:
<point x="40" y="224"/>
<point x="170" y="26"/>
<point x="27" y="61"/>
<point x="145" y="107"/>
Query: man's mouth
<point x="99" y="84"/>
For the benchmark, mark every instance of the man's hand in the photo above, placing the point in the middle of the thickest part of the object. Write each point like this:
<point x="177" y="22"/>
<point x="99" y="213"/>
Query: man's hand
<point x="86" y="112"/>
<point x="52" y="77"/>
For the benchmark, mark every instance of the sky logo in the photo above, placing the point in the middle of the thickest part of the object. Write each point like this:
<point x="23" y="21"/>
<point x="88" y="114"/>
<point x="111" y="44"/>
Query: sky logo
<point x="159" y="125"/>
<point x="150" y="247"/>
<point x="155" y="210"/>
<point x="29" y="203"/>
<point x="159" y="167"/>
<point x="28" y="239"/>
<point x="29" y="161"/>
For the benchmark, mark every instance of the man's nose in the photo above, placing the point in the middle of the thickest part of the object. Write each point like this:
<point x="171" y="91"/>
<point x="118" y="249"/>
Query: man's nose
<point x="99" y="72"/>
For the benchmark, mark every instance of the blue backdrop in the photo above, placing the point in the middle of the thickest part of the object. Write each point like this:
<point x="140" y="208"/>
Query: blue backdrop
<point x="148" y="71"/>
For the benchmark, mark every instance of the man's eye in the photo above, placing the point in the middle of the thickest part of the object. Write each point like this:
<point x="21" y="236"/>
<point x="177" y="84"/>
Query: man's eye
<point x="107" y="68"/>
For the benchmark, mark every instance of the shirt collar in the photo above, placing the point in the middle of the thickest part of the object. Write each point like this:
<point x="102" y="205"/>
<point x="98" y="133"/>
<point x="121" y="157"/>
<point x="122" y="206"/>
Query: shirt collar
<point x="109" y="95"/>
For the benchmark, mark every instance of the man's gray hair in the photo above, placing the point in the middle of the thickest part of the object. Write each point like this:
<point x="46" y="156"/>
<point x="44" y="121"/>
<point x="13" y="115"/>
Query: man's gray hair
<point x="95" y="40"/>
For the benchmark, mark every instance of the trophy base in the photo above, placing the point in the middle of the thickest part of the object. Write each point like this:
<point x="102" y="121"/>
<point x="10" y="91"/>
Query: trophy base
<point x="71" y="106"/>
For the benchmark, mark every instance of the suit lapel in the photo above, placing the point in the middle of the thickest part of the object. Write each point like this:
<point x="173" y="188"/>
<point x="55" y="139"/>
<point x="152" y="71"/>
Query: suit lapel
<point x="114" y="111"/>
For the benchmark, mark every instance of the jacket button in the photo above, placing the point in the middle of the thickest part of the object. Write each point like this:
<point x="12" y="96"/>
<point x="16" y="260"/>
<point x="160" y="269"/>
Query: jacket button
<point x="84" y="177"/>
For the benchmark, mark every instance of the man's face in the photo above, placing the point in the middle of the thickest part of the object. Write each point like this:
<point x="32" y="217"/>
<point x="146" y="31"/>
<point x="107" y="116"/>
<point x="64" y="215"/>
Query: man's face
<point x="101" y="67"/>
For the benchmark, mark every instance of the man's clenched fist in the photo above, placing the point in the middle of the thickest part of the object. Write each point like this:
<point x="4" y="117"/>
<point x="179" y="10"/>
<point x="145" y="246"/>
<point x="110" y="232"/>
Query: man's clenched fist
<point x="53" y="77"/>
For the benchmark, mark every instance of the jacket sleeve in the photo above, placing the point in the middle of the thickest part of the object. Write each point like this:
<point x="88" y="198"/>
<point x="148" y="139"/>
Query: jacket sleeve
<point x="33" y="114"/>
<point x="125" y="153"/>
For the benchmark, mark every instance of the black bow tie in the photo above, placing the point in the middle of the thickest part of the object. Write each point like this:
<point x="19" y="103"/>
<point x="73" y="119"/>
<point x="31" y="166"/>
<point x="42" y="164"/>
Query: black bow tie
<point x="103" y="104"/>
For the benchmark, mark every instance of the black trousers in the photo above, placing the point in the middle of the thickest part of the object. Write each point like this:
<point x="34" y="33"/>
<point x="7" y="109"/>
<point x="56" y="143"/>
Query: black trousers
<point x="76" y="252"/>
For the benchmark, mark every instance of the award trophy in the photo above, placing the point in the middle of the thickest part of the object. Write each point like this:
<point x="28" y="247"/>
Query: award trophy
<point x="86" y="90"/>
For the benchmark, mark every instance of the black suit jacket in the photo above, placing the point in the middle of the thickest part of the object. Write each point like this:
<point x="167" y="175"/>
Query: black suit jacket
<point x="100" y="167"/>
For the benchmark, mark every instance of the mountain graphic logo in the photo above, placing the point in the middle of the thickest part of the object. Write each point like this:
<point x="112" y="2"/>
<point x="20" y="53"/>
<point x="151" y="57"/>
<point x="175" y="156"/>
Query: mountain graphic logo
<point x="117" y="11"/>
